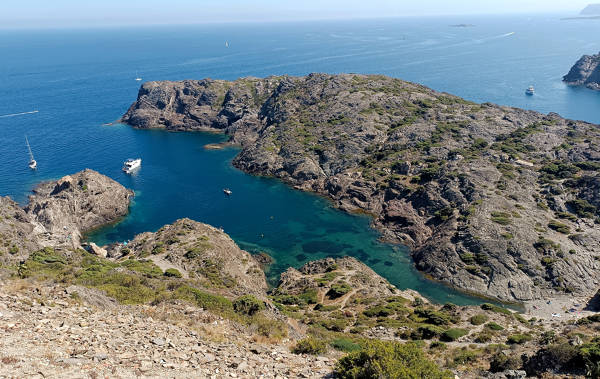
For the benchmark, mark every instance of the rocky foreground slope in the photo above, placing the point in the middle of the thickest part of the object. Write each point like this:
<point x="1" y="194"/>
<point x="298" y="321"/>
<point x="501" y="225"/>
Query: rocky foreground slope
<point x="185" y="301"/>
<point x="585" y="72"/>
<point x="494" y="200"/>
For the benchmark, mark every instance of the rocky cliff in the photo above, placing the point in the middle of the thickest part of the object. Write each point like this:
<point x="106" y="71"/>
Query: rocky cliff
<point x="586" y="72"/>
<point x="495" y="200"/>
<point x="60" y="212"/>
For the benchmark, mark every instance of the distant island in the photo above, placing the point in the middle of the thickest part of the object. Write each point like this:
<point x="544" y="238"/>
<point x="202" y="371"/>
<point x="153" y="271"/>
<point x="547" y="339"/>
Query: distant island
<point x="586" y="72"/>
<point x="591" y="10"/>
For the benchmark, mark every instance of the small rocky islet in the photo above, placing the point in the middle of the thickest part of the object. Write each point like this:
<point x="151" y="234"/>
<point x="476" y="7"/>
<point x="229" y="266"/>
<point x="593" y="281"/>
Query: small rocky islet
<point x="493" y="200"/>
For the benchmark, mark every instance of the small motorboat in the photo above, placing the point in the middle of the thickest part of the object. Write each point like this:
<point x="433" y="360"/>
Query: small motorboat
<point x="227" y="191"/>
<point x="530" y="91"/>
<point x="131" y="165"/>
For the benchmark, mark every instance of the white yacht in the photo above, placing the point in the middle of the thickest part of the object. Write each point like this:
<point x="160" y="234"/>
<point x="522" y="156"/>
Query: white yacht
<point x="227" y="191"/>
<point x="131" y="165"/>
<point x="32" y="162"/>
<point x="530" y="91"/>
<point x="137" y="77"/>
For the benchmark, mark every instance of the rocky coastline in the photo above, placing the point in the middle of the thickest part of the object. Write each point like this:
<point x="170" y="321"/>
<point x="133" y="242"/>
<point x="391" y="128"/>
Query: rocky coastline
<point x="492" y="200"/>
<point x="585" y="72"/>
<point x="187" y="301"/>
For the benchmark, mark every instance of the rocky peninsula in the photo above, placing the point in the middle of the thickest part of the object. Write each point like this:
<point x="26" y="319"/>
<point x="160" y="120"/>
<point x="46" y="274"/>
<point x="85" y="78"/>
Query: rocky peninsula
<point x="493" y="200"/>
<point x="186" y="301"/>
<point x="586" y="72"/>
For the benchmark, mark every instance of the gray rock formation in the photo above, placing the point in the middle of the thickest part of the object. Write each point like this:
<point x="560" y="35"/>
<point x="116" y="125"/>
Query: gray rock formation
<point x="60" y="212"/>
<point x="78" y="203"/>
<point x="495" y="200"/>
<point x="586" y="72"/>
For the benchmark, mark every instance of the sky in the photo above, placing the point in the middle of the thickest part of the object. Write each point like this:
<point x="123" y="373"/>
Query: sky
<point x="81" y="13"/>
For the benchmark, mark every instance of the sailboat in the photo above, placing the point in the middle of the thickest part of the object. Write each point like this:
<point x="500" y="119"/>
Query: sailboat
<point x="137" y="77"/>
<point x="226" y="43"/>
<point x="32" y="162"/>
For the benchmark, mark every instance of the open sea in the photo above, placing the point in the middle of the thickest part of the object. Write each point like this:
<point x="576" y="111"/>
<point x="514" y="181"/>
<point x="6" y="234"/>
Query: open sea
<point x="79" y="80"/>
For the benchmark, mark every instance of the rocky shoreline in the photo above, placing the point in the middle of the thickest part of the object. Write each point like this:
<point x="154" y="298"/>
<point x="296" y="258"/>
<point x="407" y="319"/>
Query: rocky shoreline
<point x="585" y="72"/>
<point x="492" y="200"/>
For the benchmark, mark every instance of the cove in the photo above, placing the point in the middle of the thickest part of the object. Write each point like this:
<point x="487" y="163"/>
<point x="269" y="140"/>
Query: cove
<point x="180" y="178"/>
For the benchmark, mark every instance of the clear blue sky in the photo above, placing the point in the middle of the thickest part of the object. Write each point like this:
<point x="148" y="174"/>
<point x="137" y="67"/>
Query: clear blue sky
<point x="68" y="13"/>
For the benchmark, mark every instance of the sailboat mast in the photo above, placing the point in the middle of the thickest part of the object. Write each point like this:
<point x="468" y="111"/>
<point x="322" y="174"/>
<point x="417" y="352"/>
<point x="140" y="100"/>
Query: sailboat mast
<point x="29" y="148"/>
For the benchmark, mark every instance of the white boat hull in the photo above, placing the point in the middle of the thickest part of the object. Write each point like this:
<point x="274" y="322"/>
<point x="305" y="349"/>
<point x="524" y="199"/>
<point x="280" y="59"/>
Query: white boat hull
<point x="132" y="165"/>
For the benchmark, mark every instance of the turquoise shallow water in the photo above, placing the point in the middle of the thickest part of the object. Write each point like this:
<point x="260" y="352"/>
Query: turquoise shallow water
<point x="79" y="80"/>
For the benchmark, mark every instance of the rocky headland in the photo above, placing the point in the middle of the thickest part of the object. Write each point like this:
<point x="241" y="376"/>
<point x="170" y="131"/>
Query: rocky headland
<point x="186" y="301"/>
<point x="585" y="72"/>
<point x="59" y="213"/>
<point x="492" y="200"/>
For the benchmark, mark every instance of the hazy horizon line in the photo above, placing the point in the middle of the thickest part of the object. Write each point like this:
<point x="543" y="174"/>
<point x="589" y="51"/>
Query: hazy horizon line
<point x="273" y="21"/>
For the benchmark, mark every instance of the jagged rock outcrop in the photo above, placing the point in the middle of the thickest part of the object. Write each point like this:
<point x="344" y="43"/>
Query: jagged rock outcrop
<point x="76" y="204"/>
<point x="586" y="72"/>
<point x="59" y="212"/>
<point x="201" y="252"/>
<point x="492" y="199"/>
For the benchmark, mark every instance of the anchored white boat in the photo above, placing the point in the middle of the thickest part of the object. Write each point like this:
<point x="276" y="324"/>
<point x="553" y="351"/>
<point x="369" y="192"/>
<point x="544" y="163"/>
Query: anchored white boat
<point x="131" y="165"/>
<point x="227" y="191"/>
<point x="32" y="162"/>
<point x="530" y="91"/>
<point x="137" y="77"/>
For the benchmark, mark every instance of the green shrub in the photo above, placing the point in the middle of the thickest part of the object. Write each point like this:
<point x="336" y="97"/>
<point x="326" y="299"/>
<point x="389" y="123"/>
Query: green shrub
<point x="582" y="208"/>
<point x="334" y="324"/>
<point x="339" y="290"/>
<point x="433" y="317"/>
<point x="501" y="362"/>
<point x="518" y="339"/>
<point x="502" y="218"/>
<point x="390" y="360"/>
<point x="478" y="319"/>
<point x="268" y="327"/>
<point x="484" y="337"/>
<point x="345" y="344"/>
<point x="438" y="345"/>
<point x="465" y="356"/>
<point x="144" y="267"/>
<point x="173" y="273"/>
<point x="453" y="334"/>
<point x="13" y="250"/>
<point x="559" y="227"/>
<point x="495" y="308"/>
<point x="247" y="305"/>
<point x="310" y="345"/>
<point x="493" y="326"/>
<point x="426" y="332"/>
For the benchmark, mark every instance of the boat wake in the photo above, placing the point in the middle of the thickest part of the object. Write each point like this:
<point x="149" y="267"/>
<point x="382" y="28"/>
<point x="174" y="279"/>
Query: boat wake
<point x="17" y="114"/>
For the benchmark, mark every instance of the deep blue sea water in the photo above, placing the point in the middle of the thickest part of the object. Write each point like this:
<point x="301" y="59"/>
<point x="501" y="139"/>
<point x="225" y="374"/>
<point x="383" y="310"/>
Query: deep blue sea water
<point x="81" y="79"/>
